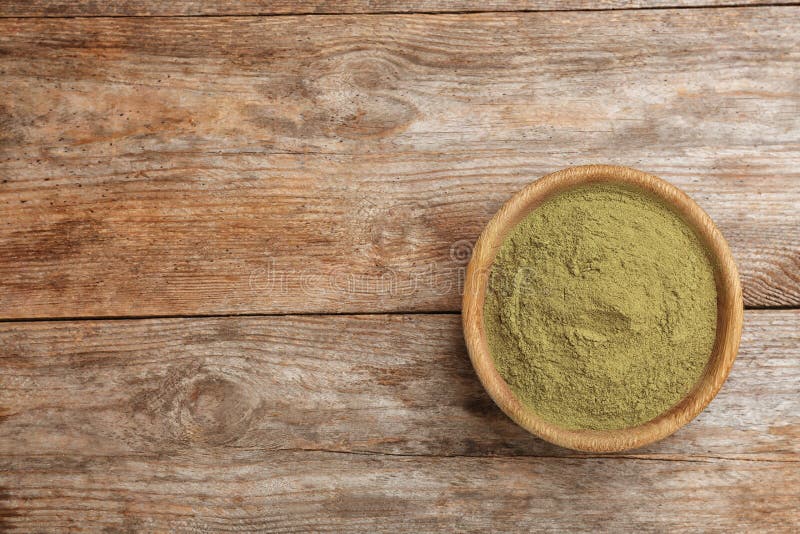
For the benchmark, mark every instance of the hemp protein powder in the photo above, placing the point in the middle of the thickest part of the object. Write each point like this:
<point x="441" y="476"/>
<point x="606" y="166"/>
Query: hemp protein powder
<point x="601" y="308"/>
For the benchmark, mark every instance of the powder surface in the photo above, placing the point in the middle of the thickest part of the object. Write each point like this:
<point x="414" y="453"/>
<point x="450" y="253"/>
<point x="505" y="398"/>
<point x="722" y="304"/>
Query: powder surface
<point x="601" y="308"/>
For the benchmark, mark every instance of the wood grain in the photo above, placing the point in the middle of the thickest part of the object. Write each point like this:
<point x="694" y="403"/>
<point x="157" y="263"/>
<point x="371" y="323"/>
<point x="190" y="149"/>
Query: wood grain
<point x="395" y="384"/>
<point x="356" y="423"/>
<point x="334" y="492"/>
<point x="91" y="8"/>
<point x="344" y="164"/>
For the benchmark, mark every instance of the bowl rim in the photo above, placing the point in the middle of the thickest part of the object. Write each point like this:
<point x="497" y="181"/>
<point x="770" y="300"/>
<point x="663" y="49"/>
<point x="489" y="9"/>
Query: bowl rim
<point x="729" y="309"/>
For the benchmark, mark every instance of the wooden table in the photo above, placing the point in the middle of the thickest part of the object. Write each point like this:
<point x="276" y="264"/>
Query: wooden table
<point x="232" y="245"/>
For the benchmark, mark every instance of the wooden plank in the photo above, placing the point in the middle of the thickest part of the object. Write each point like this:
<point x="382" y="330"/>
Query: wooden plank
<point x="356" y="423"/>
<point x="395" y="384"/>
<point x="90" y="8"/>
<point x="342" y="164"/>
<point x="323" y="491"/>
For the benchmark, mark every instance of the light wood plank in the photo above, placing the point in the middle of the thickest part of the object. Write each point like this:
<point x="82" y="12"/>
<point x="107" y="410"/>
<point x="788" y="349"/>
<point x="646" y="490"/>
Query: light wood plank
<point x="363" y="423"/>
<point x="366" y="384"/>
<point x="335" y="164"/>
<point x="322" y="492"/>
<point x="83" y="8"/>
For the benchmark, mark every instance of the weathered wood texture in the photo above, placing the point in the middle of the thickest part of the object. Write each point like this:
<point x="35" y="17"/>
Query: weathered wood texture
<point x="60" y="8"/>
<point x="337" y="164"/>
<point x="247" y="490"/>
<point x="334" y="422"/>
<point x="384" y="384"/>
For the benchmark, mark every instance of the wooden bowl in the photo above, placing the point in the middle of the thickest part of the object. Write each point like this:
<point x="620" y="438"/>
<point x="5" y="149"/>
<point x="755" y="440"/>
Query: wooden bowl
<point x="729" y="310"/>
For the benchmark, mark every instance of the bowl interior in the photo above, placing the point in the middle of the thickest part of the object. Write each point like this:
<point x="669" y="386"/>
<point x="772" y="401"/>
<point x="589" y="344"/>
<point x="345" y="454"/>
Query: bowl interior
<point x="729" y="310"/>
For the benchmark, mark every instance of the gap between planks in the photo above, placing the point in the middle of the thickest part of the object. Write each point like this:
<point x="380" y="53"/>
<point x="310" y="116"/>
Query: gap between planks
<point x="571" y="455"/>
<point x="291" y="314"/>
<point x="277" y="314"/>
<point x="221" y="316"/>
<point x="413" y="12"/>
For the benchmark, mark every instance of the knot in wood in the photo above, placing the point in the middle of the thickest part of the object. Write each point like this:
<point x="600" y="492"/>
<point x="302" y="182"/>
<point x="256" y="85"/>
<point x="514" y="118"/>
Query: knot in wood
<point x="215" y="410"/>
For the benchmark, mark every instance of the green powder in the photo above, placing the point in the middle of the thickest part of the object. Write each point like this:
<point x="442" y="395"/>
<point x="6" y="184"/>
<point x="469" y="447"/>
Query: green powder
<point x="601" y="308"/>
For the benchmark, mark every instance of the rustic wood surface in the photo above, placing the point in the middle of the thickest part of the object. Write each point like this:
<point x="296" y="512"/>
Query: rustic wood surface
<point x="195" y="166"/>
<point x="384" y="384"/>
<point x="165" y="183"/>
<point x="84" y="8"/>
<point x="342" y="422"/>
<point x="249" y="490"/>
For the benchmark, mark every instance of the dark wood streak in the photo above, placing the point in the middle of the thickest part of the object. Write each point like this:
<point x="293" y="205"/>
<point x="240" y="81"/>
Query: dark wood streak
<point x="59" y="8"/>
